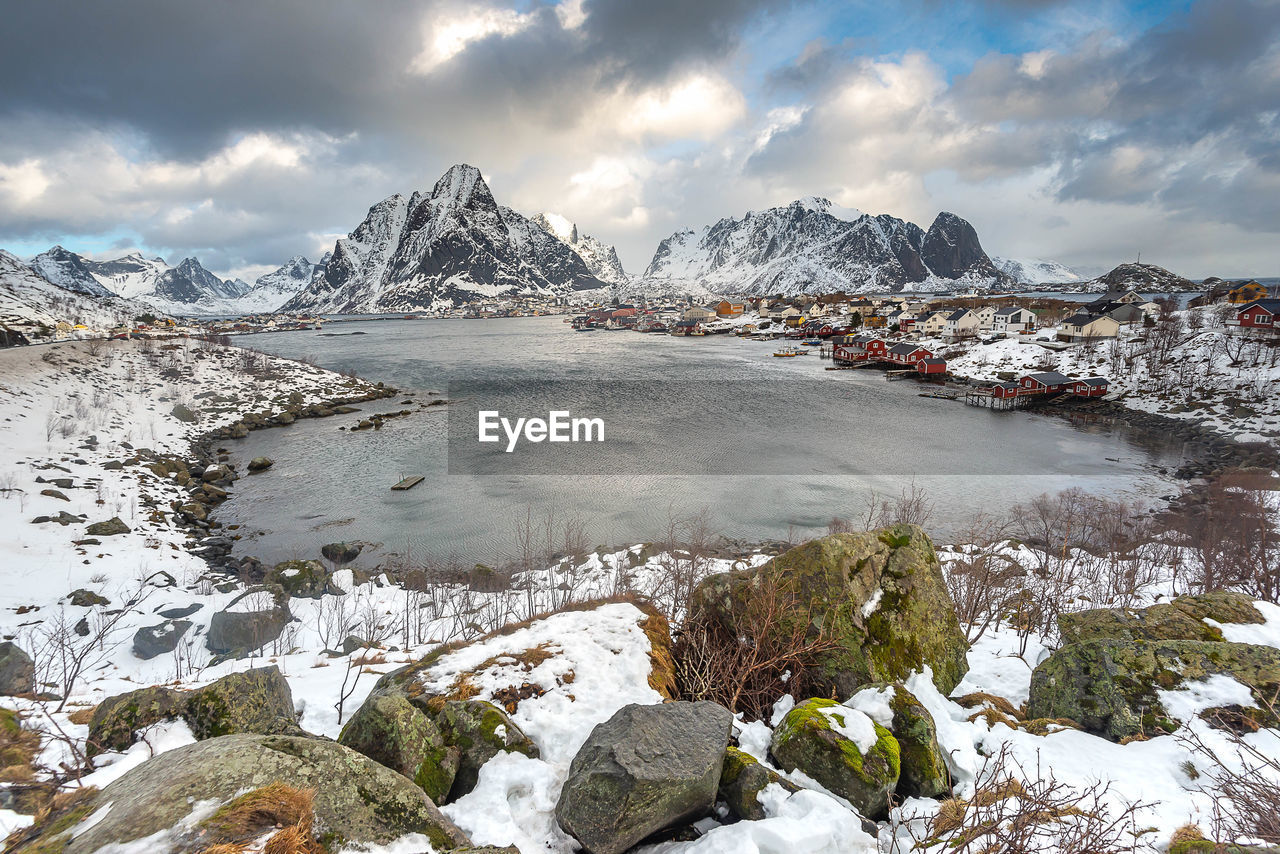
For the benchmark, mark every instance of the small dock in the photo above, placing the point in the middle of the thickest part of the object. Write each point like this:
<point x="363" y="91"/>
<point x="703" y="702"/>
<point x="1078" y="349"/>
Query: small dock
<point x="409" y="482"/>
<point x="891" y="376"/>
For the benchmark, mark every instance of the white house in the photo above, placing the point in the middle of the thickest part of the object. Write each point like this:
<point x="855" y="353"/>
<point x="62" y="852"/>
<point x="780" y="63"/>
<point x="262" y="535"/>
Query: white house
<point x="961" y="323"/>
<point x="1012" y="320"/>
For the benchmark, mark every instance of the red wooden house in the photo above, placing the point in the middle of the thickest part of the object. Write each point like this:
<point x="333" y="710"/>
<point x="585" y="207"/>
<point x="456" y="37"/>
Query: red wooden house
<point x="907" y="354"/>
<point x="1259" y="315"/>
<point x="1045" y="382"/>
<point x="931" y="366"/>
<point x="1090" y="387"/>
<point x="863" y="348"/>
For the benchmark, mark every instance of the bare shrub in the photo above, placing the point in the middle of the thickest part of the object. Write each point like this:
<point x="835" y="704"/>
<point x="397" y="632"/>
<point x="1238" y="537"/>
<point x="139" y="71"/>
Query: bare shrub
<point x="765" y="653"/>
<point x="1013" y="812"/>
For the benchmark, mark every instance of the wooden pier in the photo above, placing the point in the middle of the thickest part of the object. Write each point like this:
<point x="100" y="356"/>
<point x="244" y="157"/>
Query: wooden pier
<point x="409" y="482"/>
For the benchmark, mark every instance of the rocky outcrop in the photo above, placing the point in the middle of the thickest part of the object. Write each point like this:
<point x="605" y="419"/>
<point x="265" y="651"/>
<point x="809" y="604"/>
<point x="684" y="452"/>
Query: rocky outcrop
<point x="952" y="251"/>
<point x="357" y="801"/>
<point x="1182" y="619"/>
<point x="254" y="701"/>
<point x="110" y="528"/>
<point x="645" y="769"/>
<point x="1111" y="687"/>
<point x="300" y="579"/>
<point x="843" y="749"/>
<point x="879" y="596"/>
<point x="17" y="671"/>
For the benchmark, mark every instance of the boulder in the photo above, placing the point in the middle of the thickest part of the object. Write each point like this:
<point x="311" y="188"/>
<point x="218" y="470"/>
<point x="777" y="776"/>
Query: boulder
<point x="109" y="528"/>
<point x="645" y="769"/>
<point x="479" y="730"/>
<point x="151" y="641"/>
<point x="183" y="413"/>
<point x="923" y="765"/>
<point x="843" y="749"/>
<point x="220" y="472"/>
<point x="17" y="670"/>
<point x="390" y="731"/>
<point x="1182" y="619"/>
<point x="357" y="801"/>
<point x="742" y="779"/>
<point x="1109" y="687"/>
<point x="340" y="553"/>
<point x="261" y="464"/>
<point x="245" y="631"/>
<point x="879" y="595"/>
<point x="254" y="701"/>
<point x="87" y="598"/>
<point x="301" y="579"/>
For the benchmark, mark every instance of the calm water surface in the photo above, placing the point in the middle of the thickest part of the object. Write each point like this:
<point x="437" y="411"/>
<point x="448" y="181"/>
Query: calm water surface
<point x="767" y="447"/>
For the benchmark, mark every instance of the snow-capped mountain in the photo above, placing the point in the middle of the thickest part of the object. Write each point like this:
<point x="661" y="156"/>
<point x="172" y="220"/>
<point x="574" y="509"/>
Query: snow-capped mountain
<point x="190" y="284"/>
<point x="274" y="289"/>
<point x="601" y="258"/>
<point x="814" y="246"/>
<point x="68" y="270"/>
<point x="440" y="249"/>
<point x="130" y="276"/>
<point x="31" y="305"/>
<point x="1037" y="271"/>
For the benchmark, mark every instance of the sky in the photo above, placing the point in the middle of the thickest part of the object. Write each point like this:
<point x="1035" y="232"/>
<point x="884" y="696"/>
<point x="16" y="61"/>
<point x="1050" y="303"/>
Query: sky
<point x="244" y="133"/>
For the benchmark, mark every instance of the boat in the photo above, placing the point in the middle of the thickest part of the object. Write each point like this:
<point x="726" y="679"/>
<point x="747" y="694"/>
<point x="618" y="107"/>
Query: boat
<point x="811" y="342"/>
<point x="788" y="352"/>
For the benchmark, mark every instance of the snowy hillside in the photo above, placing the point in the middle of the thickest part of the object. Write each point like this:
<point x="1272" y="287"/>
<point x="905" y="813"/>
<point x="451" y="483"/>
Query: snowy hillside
<point x="68" y="270"/>
<point x="601" y="259"/>
<point x="274" y="289"/>
<point x="814" y="246"/>
<point x="440" y="249"/>
<point x="1142" y="277"/>
<point x="1036" y="271"/>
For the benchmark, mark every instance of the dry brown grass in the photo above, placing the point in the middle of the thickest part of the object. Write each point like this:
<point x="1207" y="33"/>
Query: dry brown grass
<point x="254" y="813"/>
<point x="63" y="810"/>
<point x="1000" y="704"/>
<point x="82" y="717"/>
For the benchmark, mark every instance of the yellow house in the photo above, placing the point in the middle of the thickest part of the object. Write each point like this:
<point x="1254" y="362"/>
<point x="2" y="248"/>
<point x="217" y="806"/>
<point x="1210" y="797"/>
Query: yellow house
<point x="724" y="308"/>
<point x="1246" y="293"/>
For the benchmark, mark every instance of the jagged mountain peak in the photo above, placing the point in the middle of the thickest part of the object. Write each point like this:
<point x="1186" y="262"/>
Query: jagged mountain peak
<point x="601" y="258"/>
<point x="452" y="245"/>
<point x="814" y="246"/>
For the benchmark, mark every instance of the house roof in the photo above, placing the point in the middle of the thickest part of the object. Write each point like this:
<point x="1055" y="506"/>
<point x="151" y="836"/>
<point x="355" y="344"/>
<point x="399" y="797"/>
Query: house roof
<point x="1096" y="382"/>
<point x="1010" y="310"/>
<point x="1082" y="319"/>
<point x="933" y="360"/>
<point x="905" y="349"/>
<point x="1049" y="378"/>
<point x="1272" y="306"/>
<point x="957" y="314"/>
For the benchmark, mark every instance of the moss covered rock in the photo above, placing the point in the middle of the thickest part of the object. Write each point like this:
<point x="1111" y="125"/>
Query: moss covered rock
<point x="254" y="701"/>
<point x="880" y="595"/>
<point x="301" y="579"/>
<point x="813" y="738"/>
<point x="742" y="779"/>
<point x="1182" y="619"/>
<point x="357" y="803"/>
<point x="1110" y="687"/>
<point x="479" y="731"/>
<point x="390" y="731"/>
<point x="924" y="766"/>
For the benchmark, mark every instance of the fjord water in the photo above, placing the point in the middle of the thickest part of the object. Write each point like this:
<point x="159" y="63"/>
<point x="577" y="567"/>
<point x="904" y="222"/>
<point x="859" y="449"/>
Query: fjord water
<point x="769" y="448"/>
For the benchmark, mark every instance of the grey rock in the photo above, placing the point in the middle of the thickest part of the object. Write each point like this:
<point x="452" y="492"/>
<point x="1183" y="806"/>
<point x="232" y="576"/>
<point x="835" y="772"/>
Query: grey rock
<point x="109" y="528"/>
<point x="357" y="800"/>
<point x="245" y="631"/>
<point x="261" y="463"/>
<point x="645" y="769"/>
<point x="150" y="641"/>
<point x="17" y="671"/>
<point x="340" y="553"/>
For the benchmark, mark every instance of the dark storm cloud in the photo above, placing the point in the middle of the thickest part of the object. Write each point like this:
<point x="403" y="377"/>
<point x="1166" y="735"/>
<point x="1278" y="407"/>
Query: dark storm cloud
<point x="188" y="74"/>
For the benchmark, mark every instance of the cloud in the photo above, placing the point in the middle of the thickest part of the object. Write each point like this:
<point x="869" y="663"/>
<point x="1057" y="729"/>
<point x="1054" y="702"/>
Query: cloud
<point x="253" y="132"/>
